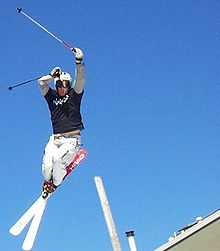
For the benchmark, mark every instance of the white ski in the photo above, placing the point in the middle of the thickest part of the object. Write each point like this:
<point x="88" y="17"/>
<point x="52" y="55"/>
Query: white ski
<point x="17" y="228"/>
<point x="32" y="232"/>
<point x="35" y="212"/>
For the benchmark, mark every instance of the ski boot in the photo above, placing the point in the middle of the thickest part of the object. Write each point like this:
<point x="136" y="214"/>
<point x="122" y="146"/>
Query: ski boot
<point x="48" y="187"/>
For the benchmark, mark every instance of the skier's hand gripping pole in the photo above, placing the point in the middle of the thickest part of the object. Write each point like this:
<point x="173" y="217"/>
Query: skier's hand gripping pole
<point x="55" y="73"/>
<point x="78" y="53"/>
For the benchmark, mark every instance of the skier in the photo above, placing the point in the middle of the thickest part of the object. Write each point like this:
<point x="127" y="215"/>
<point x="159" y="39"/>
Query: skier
<point x="64" y="104"/>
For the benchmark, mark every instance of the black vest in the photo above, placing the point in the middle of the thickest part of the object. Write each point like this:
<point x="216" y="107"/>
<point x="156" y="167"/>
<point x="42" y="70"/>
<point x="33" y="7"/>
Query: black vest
<point x="65" y="111"/>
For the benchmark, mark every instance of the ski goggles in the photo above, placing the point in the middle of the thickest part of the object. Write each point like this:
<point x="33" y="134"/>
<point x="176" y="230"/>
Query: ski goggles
<point x="60" y="84"/>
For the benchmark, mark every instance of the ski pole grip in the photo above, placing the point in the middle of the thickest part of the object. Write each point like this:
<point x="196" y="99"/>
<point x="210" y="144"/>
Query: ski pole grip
<point x="19" y="10"/>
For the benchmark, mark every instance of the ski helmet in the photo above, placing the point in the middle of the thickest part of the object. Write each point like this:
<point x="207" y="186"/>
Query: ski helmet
<point x="64" y="76"/>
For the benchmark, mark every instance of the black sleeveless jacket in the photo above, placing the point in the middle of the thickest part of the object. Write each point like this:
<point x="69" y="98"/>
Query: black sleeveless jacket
<point x="65" y="111"/>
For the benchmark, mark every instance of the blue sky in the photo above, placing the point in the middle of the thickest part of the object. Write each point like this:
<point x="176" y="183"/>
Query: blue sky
<point x="151" y="112"/>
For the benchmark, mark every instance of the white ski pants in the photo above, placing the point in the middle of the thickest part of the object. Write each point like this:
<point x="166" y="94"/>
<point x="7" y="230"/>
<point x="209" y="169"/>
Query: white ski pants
<point x="58" y="154"/>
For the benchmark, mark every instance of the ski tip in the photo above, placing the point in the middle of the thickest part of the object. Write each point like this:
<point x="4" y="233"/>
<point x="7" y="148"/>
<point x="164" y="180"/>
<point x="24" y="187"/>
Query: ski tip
<point x="26" y="247"/>
<point x="13" y="231"/>
<point x="19" y="10"/>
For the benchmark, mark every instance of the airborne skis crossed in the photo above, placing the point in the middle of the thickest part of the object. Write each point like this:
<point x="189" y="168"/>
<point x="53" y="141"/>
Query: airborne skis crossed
<point x="35" y="212"/>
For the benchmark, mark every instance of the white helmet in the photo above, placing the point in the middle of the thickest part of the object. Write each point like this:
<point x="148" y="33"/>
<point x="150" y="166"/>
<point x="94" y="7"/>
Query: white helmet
<point x="65" y="76"/>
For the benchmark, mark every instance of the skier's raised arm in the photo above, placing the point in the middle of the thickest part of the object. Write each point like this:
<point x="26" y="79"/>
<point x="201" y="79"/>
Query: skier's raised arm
<point x="45" y="80"/>
<point x="78" y="84"/>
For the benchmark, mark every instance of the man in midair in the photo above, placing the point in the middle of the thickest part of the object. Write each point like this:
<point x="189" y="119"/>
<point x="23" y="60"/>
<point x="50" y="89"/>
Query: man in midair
<point x="64" y="104"/>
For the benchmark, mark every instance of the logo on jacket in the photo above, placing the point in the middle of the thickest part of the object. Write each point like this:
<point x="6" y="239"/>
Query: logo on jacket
<point x="61" y="101"/>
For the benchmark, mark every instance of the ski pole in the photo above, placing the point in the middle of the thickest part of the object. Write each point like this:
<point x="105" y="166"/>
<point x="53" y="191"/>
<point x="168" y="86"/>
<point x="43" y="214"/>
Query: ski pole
<point x="19" y="10"/>
<point x="23" y="83"/>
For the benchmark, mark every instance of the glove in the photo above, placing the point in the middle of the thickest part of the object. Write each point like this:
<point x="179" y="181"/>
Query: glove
<point x="78" y="55"/>
<point x="55" y="72"/>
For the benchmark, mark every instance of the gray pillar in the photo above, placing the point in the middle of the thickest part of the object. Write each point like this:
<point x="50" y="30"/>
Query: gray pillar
<point x="107" y="214"/>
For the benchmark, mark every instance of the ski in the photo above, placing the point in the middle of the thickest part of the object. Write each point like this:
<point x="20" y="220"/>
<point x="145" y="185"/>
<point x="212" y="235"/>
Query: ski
<point x="35" y="212"/>
<point x="33" y="229"/>
<point x="17" y="228"/>
<point x="81" y="154"/>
